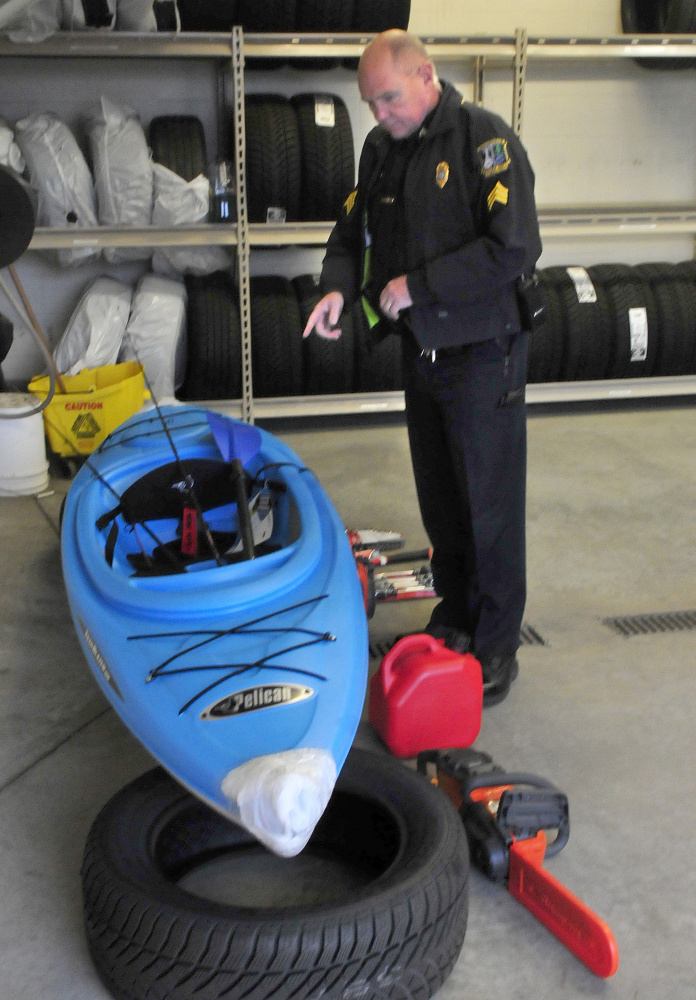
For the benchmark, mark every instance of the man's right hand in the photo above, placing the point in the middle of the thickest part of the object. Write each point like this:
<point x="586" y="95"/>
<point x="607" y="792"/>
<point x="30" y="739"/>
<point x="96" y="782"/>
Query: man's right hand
<point x="324" y="317"/>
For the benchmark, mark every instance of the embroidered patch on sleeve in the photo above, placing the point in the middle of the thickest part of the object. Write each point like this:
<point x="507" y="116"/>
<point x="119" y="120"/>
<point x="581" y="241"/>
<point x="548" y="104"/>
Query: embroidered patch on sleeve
<point x="350" y="201"/>
<point x="494" y="157"/>
<point x="499" y="193"/>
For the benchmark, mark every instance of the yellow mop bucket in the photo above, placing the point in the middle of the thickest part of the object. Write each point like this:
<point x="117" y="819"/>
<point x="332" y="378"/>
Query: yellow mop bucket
<point x="95" y="402"/>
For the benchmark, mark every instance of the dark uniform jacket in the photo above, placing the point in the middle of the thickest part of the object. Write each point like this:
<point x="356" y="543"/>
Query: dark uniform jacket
<point x="471" y="225"/>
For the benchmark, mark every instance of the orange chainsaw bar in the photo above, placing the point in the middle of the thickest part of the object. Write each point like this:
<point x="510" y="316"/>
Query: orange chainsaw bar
<point x="584" y="933"/>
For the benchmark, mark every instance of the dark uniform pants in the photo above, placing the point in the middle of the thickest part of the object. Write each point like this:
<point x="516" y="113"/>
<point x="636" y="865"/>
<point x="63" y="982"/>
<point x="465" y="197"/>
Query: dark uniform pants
<point x="466" y="421"/>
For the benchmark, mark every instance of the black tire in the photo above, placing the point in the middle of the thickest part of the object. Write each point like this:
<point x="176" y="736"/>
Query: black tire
<point x="178" y="143"/>
<point x="371" y="17"/>
<point x="375" y="17"/>
<point x="676" y="319"/>
<point x="659" y="17"/>
<point x="588" y="330"/>
<point x="327" y="158"/>
<point x="273" y="171"/>
<point x="627" y="290"/>
<point x="325" y="17"/>
<point x="328" y="365"/>
<point x="395" y="932"/>
<point x="276" y="337"/>
<point x="684" y="278"/>
<point x="266" y="17"/>
<point x="547" y="343"/>
<point x="379" y="366"/>
<point x="207" y="15"/>
<point x="214" y="351"/>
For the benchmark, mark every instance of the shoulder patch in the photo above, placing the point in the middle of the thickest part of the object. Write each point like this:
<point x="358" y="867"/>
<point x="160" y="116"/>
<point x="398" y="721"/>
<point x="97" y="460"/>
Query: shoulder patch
<point x="350" y="201"/>
<point x="493" y="156"/>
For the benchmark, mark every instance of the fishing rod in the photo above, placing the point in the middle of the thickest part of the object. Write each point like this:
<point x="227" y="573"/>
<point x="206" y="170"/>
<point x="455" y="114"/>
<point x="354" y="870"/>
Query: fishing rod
<point x="186" y="478"/>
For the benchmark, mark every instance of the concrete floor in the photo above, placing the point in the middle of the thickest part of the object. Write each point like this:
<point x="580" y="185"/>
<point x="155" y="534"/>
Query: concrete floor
<point x="609" y="720"/>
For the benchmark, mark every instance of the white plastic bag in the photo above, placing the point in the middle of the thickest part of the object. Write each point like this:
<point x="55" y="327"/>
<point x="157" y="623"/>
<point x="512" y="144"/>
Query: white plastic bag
<point x="95" y="330"/>
<point x="58" y="172"/>
<point x="179" y="203"/>
<point x="10" y="153"/>
<point x="40" y="20"/>
<point x="148" y="15"/>
<point x="89" y="16"/>
<point x="122" y="173"/>
<point x="280" y="797"/>
<point x="156" y="334"/>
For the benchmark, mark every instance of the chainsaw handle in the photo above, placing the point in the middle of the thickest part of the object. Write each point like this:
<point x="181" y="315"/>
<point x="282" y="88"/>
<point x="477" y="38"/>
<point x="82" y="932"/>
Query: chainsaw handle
<point x="498" y="778"/>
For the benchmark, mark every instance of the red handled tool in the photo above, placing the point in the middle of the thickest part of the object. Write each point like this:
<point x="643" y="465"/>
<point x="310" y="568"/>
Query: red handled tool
<point x="505" y="815"/>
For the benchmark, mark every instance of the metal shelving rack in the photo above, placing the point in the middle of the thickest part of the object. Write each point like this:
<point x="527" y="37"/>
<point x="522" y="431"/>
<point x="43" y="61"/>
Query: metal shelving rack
<point x="514" y="52"/>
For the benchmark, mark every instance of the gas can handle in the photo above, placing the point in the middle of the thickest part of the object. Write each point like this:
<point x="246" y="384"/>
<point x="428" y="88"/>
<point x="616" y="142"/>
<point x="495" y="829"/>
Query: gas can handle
<point x="420" y="642"/>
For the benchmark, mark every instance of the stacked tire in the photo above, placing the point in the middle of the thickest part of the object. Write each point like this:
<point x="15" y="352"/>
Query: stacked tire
<point x="321" y="16"/>
<point x="659" y="17"/>
<point x="283" y="364"/>
<point x="298" y="168"/>
<point x="614" y="321"/>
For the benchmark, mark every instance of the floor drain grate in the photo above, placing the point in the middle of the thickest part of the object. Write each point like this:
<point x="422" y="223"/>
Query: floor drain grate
<point x="667" y="621"/>
<point x="528" y="637"/>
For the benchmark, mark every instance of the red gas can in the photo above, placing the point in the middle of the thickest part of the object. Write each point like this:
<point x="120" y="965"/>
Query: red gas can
<point x="426" y="697"/>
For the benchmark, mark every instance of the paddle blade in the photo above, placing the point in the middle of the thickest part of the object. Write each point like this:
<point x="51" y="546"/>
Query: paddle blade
<point x="234" y="438"/>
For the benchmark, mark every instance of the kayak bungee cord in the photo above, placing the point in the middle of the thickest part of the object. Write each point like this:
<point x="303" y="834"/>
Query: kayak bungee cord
<point x="244" y="628"/>
<point x="258" y="664"/>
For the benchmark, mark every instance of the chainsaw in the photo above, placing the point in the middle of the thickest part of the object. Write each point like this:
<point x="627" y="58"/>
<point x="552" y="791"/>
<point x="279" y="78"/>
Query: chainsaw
<point x="506" y="816"/>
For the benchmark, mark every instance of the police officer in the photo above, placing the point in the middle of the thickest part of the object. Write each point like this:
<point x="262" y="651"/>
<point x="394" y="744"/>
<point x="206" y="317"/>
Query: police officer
<point x="434" y="240"/>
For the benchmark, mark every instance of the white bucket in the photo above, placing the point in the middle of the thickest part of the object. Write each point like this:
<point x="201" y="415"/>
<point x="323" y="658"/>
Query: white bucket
<point x="23" y="462"/>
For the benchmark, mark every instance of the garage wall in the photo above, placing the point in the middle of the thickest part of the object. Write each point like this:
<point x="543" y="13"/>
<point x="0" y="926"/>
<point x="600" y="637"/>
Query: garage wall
<point x="600" y="132"/>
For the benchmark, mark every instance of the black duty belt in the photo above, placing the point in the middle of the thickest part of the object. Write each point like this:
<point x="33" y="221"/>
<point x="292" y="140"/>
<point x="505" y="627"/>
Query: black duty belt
<point x="440" y="353"/>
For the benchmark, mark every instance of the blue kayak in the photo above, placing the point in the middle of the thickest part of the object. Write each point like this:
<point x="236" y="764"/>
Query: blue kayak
<point x="226" y="628"/>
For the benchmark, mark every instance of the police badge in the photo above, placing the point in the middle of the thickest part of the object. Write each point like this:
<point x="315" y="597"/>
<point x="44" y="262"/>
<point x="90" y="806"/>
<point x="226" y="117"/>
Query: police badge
<point x="442" y="174"/>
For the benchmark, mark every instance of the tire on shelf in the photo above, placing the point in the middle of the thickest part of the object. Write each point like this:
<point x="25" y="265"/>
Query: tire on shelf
<point x="273" y="170"/>
<point x="214" y="351"/>
<point x="276" y="337"/>
<point x="684" y="277"/>
<point x="178" y="143"/>
<point x="389" y="916"/>
<point x="328" y="365"/>
<point x="327" y="157"/>
<point x="588" y="329"/>
<point x="266" y="17"/>
<point x="628" y="291"/>
<point x="547" y="344"/>
<point x="659" y="17"/>
<point x="372" y="17"/>
<point x="207" y="15"/>
<point x="675" y="318"/>
<point x="379" y="365"/>
<point x="324" y="17"/>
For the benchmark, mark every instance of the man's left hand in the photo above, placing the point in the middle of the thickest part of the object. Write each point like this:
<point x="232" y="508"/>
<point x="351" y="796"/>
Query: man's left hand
<point x="395" y="297"/>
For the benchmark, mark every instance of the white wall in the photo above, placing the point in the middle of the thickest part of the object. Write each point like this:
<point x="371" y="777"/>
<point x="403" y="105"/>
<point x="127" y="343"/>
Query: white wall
<point x="554" y="17"/>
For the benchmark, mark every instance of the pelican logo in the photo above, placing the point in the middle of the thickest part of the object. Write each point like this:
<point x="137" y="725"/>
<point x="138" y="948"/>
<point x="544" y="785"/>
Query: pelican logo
<point x="255" y="698"/>
<point x="442" y="174"/>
